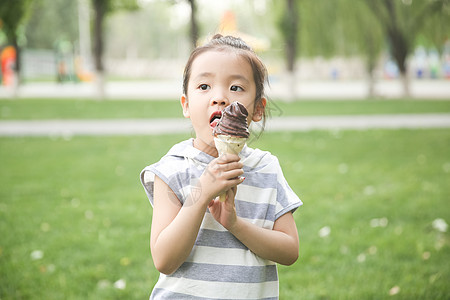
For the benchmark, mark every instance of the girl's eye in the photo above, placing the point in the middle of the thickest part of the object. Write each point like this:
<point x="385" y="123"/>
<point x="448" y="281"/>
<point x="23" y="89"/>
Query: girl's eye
<point x="236" y="88"/>
<point x="203" y="87"/>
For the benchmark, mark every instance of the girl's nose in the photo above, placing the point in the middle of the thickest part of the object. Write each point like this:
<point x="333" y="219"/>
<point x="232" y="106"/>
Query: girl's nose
<point x="219" y="96"/>
<point x="220" y="102"/>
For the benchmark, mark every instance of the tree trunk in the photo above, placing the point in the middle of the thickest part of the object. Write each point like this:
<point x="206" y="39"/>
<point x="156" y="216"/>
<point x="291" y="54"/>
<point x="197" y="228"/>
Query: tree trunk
<point x="400" y="52"/>
<point x="291" y="41"/>
<point x="291" y="81"/>
<point x="371" y="85"/>
<point x="194" y="26"/>
<point x="399" y="45"/>
<point x="405" y="84"/>
<point x="371" y="59"/>
<point x="16" y="70"/>
<point x="291" y="47"/>
<point x="100" y="9"/>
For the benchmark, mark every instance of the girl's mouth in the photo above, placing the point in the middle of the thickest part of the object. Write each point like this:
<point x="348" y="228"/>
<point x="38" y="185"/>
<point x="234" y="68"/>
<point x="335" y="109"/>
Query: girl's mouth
<point x="214" y="119"/>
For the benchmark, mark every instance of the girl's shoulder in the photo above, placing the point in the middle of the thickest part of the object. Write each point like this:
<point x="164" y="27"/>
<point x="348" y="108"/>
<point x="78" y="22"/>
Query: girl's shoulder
<point x="171" y="161"/>
<point x="254" y="157"/>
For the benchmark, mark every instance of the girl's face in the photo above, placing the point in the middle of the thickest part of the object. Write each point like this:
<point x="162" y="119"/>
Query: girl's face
<point x="217" y="79"/>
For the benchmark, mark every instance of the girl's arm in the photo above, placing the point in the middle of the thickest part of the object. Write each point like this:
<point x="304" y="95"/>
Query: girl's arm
<point x="279" y="244"/>
<point x="174" y="226"/>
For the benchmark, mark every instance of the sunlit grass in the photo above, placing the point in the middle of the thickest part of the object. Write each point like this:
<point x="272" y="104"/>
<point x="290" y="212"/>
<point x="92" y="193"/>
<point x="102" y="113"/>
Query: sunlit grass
<point x="74" y="220"/>
<point x="35" y="109"/>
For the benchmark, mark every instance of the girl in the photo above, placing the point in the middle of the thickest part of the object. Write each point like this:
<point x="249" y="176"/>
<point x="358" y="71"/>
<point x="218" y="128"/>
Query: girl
<point x="204" y="248"/>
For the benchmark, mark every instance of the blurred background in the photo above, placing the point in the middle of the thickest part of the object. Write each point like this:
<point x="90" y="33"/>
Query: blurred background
<point x="364" y="48"/>
<point x="373" y="174"/>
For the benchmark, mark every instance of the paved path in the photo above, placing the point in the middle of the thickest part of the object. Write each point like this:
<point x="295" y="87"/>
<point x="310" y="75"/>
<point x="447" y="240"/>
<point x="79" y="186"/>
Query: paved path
<point x="169" y="126"/>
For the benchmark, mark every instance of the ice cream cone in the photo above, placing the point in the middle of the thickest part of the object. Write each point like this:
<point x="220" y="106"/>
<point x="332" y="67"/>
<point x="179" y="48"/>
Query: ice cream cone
<point x="227" y="144"/>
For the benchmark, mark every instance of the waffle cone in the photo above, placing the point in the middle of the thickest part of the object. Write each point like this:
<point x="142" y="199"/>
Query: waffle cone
<point x="227" y="144"/>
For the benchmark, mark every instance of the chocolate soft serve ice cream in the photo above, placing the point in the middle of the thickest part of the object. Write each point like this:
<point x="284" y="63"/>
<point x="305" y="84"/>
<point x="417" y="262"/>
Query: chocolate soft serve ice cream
<point x="231" y="131"/>
<point x="233" y="121"/>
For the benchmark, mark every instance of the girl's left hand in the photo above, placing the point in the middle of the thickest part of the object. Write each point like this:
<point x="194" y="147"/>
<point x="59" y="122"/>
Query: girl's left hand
<point x="224" y="212"/>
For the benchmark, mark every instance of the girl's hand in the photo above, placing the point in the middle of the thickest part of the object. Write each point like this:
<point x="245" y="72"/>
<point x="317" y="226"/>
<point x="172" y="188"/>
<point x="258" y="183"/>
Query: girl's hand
<point x="221" y="174"/>
<point x="224" y="212"/>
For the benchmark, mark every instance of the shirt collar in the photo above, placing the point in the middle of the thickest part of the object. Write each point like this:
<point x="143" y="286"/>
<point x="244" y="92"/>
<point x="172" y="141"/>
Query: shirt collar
<point x="186" y="149"/>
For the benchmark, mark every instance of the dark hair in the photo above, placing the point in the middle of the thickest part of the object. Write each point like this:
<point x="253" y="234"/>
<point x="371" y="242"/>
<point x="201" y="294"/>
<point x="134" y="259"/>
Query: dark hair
<point x="230" y="43"/>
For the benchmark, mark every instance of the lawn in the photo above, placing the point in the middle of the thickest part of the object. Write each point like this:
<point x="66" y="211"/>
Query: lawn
<point x="35" y="109"/>
<point x="75" y="222"/>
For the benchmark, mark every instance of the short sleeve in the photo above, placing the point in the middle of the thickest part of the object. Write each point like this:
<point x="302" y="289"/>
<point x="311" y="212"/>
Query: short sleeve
<point x="287" y="200"/>
<point x="168" y="169"/>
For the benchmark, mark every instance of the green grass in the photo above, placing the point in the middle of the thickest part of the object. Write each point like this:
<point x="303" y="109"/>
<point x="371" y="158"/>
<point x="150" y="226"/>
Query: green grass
<point x="35" y="109"/>
<point x="79" y="201"/>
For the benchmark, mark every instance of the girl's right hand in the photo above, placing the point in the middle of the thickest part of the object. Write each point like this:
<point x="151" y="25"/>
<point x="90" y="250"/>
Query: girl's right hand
<point x="220" y="175"/>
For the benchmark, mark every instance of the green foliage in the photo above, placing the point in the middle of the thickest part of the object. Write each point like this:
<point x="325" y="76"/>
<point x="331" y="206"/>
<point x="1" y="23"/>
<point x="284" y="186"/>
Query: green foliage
<point x="56" y="20"/>
<point x="12" y="14"/>
<point x="148" y="31"/>
<point x="348" y="27"/>
<point x="115" y="5"/>
<point x="319" y="31"/>
<point x="404" y="22"/>
<point x="51" y="21"/>
<point x="79" y="202"/>
<point x="435" y="28"/>
<point x="362" y="33"/>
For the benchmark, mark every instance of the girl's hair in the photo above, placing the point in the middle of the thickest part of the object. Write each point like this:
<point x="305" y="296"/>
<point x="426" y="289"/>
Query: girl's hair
<point x="230" y="43"/>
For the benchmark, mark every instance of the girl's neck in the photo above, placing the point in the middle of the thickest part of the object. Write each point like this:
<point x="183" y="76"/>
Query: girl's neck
<point x="205" y="147"/>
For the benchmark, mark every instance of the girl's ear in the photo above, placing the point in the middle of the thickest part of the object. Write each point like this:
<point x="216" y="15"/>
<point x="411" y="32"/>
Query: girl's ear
<point x="259" y="110"/>
<point x="185" y="104"/>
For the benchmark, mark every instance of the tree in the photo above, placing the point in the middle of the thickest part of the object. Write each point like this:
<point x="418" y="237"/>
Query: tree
<point x="288" y="24"/>
<point x="401" y="22"/>
<point x="101" y="9"/>
<point x="362" y="35"/>
<point x="289" y="27"/>
<point x="194" y="26"/>
<point x="51" y="20"/>
<point x="13" y="15"/>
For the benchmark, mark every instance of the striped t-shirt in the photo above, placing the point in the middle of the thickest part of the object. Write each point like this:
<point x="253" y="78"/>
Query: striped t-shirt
<point x="220" y="266"/>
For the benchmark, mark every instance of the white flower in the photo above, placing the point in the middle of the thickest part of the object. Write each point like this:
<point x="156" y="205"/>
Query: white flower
<point x="51" y="268"/>
<point x="103" y="284"/>
<point x="89" y="214"/>
<point x="382" y="222"/>
<point x="343" y="168"/>
<point x="446" y="167"/>
<point x="426" y="255"/>
<point x="361" y="258"/>
<point x="394" y="291"/>
<point x="324" y="231"/>
<point x="120" y="284"/>
<point x="440" y="225"/>
<point x="37" y="254"/>
<point x="369" y="190"/>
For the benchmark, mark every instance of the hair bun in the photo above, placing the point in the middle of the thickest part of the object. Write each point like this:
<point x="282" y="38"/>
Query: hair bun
<point x="217" y="36"/>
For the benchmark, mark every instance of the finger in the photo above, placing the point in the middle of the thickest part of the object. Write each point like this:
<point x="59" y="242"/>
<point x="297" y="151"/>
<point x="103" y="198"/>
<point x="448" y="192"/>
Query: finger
<point x="234" y="188"/>
<point x="233" y="174"/>
<point x="234" y="182"/>
<point x="211" y="203"/>
<point x="227" y="158"/>
<point x="232" y="166"/>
